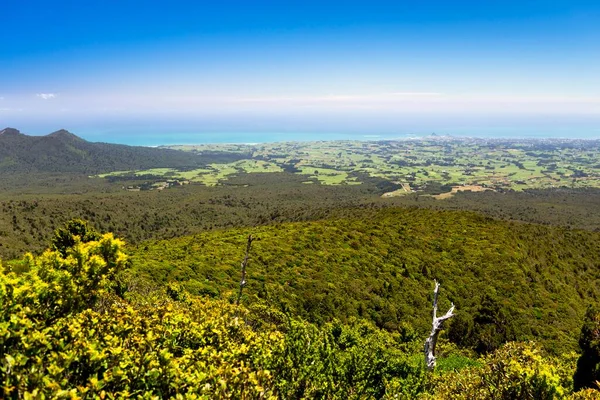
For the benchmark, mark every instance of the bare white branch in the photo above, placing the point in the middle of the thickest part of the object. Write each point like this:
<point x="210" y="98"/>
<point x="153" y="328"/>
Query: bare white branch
<point x="436" y="326"/>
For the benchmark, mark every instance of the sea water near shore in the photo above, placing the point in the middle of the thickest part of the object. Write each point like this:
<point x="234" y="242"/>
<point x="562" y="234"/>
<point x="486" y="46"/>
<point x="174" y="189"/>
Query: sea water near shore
<point x="149" y="138"/>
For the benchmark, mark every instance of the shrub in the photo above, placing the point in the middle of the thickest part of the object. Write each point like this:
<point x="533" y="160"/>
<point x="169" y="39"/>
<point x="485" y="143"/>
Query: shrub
<point x="515" y="371"/>
<point x="588" y="365"/>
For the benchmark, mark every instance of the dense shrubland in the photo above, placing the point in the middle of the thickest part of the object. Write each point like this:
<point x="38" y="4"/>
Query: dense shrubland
<point x="27" y="220"/>
<point x="32" y="205"/>
<point x="510" y="281"/>
<point x="79" y="322"/>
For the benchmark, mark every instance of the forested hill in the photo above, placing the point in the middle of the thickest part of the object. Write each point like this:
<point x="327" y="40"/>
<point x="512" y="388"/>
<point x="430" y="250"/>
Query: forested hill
<point x="76" y="322"/>
<point x="509" y="281"/>
<point x="64" y="152"/>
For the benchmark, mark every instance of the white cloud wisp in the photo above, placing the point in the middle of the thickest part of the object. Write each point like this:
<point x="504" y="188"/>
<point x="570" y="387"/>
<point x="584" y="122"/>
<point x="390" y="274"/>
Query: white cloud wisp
<point x="46" y="96"/>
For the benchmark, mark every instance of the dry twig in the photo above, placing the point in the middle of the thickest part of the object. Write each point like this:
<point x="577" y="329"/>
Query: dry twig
<point x="436" y="327"/>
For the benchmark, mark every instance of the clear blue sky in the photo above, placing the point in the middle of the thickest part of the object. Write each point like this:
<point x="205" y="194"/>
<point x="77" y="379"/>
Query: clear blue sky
<point x="101" y="68"/>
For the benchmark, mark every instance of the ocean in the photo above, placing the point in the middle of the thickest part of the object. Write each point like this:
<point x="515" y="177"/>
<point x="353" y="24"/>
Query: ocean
<point x="150" y="138"/>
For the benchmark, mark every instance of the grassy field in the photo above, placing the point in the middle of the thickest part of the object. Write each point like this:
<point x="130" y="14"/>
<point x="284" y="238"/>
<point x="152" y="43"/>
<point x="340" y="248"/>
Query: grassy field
<point x="417" y="165"/>
<point x="211" y="175"/>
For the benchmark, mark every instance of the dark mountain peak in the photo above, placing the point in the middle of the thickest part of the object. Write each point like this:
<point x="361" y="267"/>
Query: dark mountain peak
<point x="62" y="151"/>
<point x="64" y="134"/>
<point x="10" y="132"/>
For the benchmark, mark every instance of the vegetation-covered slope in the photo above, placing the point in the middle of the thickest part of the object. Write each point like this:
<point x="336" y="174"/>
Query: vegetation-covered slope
<point x="32" y="206"/>
<point x="509" y="281"/>
<point x="79" y="324"/>
<point x="64" y="152"/>
<point x="27" y="220"/>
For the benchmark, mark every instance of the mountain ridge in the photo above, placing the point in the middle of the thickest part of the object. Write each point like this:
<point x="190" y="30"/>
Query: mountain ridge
<point x="10" y="132"/>
<point x="64" y="134"/>
<point x="64" y="152"/>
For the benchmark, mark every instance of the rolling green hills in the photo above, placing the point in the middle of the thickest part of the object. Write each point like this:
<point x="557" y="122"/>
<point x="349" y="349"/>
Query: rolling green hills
<point x="509" y="281"/>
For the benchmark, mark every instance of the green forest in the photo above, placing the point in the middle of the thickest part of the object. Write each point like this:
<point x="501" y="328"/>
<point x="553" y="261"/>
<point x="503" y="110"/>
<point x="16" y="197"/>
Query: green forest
<point x="92" y="318"/>
<point x="32" y="206"/>
<point x="527" y="281"/>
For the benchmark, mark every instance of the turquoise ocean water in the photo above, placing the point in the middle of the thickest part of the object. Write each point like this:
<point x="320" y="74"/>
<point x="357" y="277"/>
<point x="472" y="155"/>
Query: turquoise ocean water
<point x="164" y="137"/>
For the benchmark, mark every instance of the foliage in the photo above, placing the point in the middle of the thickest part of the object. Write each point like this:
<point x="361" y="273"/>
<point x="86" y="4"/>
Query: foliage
<point x="160" y="350"/>
<point x="75" y="229"/>
<point x="81" y="326"/>
<point x="509" y="281"/>
<point x="27" y="220"/>
<point x="343" y="361"/>
<point x="32" y="205"/>
<point x="55" y="286"/>
<point x="588" y="366"/>
<point x="486" y="330"/>
<point x="64" y="333"/>
<point x="516" y="371"/>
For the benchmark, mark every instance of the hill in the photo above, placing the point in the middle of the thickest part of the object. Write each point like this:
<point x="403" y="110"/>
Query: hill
<point x="509" y="281"/>
<point x="64" y="152"/>
<point x="78" y="323"/>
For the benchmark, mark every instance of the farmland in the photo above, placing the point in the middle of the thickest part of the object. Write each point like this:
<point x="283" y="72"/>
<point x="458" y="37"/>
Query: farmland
<point x="434" y="165"/>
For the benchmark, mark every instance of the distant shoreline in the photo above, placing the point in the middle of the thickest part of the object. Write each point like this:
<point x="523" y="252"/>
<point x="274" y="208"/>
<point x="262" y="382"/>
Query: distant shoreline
<point x="408" y="139"/>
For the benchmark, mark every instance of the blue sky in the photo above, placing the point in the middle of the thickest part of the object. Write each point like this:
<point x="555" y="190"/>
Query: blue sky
<point x="134" y="68"/>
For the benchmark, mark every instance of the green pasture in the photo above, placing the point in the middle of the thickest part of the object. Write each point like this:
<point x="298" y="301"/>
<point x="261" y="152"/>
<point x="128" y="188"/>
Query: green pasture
<point x="518" y="165"/>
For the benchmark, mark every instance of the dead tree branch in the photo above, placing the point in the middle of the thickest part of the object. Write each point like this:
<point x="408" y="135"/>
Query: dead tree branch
<point x="436" y="327"/>
<point x="244" y="265"/>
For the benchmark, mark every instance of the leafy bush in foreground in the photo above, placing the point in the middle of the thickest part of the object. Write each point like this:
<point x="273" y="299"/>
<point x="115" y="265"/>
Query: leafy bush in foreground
<point x="65" y="333"/>
<point x="515" y="371"/>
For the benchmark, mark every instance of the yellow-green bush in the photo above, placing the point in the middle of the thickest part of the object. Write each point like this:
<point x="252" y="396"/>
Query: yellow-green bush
<point x="515" y="371"/>
<point x="65" y="333"/>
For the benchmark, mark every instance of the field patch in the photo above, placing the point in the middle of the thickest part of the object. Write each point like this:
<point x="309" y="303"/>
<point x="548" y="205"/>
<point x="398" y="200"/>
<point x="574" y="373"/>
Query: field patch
<point x="456" y="189"/>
